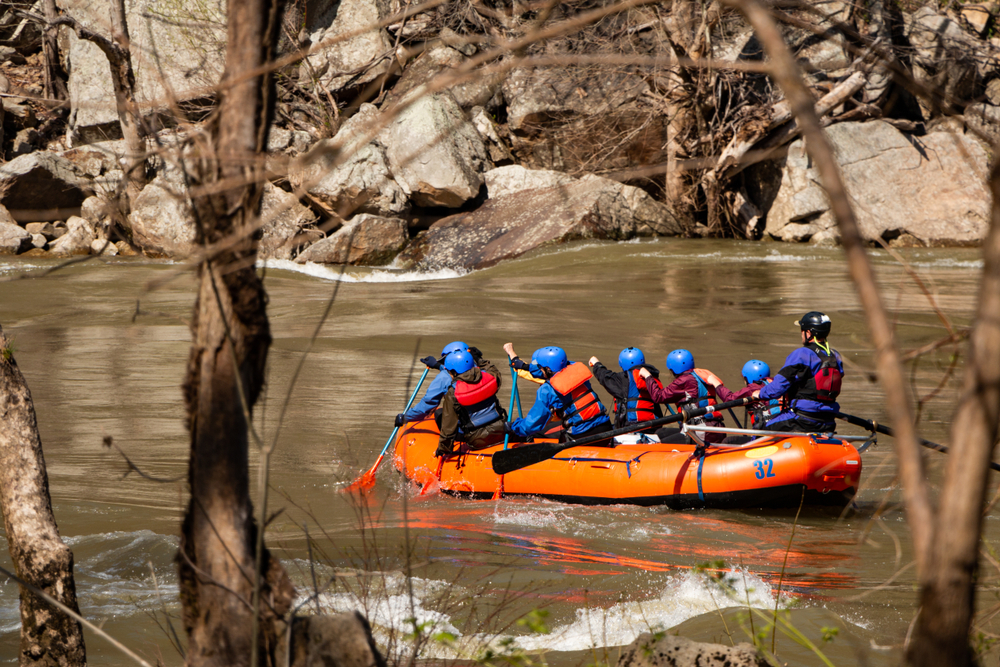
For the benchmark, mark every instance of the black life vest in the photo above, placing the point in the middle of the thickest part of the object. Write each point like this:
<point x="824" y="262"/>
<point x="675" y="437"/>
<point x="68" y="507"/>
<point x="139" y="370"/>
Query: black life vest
<point x="478" y="402"/>
<point x="824" y="385"/>
<point x="572" y="383"/>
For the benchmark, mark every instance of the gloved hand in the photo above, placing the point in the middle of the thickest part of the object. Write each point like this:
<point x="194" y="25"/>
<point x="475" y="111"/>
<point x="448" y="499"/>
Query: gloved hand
<point x="443" y="449"/>
<point x="400" y="420"/>
<point x="431" y="362"/>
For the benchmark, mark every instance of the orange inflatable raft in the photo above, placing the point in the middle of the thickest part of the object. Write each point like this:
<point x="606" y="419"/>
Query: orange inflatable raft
<point x="770" y="471"/>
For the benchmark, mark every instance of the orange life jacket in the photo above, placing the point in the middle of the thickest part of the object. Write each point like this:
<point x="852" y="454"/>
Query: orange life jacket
<point x="572" y="382"/>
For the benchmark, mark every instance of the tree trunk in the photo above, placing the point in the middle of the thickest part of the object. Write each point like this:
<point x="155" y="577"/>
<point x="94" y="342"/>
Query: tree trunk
<point x="123" y="78"/>
<point x="55" y="77"/>
<point x="48" y="636"/>
<point x="219" y="569"/>
<point x="947" y="591"/>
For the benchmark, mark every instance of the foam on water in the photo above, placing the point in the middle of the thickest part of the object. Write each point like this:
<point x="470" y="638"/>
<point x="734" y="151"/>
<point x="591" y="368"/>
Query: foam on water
<point x="682" y="597"/>
<point x="388" y="275"/>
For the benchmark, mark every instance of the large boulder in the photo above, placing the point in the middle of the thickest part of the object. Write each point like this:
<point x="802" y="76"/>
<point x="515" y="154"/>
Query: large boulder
<point x="178" y="53"/>
<point x="535" y="96"/>
<point x="77" y="240"/>
<point x="511" y="225"/>
<point x="350" y="49"/>
<point x="944" y="55"/>
<point x="161" y="222"/>
<point x="931" y="188"/>
<point x="13" y="239"/>
<point x="435" y="153"/>
<point x="367" y="240"/>
<point x="648" y="650"/>
<point x="287" y="224"/>
<point x="442" y="61"/>
<point x="42" y="186"/>
<point x="347" y="174"/>
<point x="513" y="178"/>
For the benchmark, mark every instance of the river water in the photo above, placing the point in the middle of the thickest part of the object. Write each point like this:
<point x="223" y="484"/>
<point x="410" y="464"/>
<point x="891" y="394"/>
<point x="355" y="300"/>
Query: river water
<point x="104" y="344"/>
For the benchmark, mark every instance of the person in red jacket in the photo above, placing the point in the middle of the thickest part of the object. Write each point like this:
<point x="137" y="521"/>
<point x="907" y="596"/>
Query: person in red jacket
<point x="691" y="387"/>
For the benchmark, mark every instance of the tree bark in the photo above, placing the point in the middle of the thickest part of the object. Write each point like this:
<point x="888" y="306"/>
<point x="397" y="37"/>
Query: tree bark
<point x="219" y="568"/>
<point x="948" y="587"/>
<point x="55" y="77"/>
<point x="48" y="636"/>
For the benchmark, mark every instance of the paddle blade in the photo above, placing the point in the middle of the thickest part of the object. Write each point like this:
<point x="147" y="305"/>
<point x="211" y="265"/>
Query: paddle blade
<point x="509" y="460"/>
<point x="362" y="484"/>
<point x="498" y="493"/>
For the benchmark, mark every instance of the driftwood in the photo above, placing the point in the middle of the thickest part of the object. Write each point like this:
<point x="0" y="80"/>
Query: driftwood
<point x="41" y="558"/>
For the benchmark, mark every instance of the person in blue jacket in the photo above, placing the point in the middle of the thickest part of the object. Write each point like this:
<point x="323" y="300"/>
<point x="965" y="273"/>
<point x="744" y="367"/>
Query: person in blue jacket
<point x="439" y="386"/>
<point x="810" y="381"/>
<point x="565" y="393"/>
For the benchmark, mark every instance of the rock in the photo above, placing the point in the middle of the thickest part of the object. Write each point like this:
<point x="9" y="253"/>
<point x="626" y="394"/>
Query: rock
<point x="509" y="226"/>
<point x="287" y="224"/>
<point x="42" y="186"/>
<point x="24" y="141"/>
<point x="103" y="247"/>
<point x="77" y="239"/>
<point x="514" y="178"/>
<point x="39" y="241"/>
<point x="977" y="16"/>
<point x="348" y="61"/>
<point x="161" y="222"/>
<point x="671" y="651"/>
<point x="5" y="217"/>
<point x="363" y="183"/>
<point x="931" y="187"/>
<point x="178" y="54"/>
<point x="944" y="55"/>
<point x="366" y="240"/>
<point x="13" y="239"/>
<point x="44" y="228"/>
<point x="435" y="153"/>
<point x="344" y="640"/>
<point x="488" y="130"/>
<point x="993" y="92"/>
<point x="125" y="250"/>
<point x="94" y="211"/>
<point x="984" y="119"/>
<point x="436" y="62"/>
<point x="535" y="96"/>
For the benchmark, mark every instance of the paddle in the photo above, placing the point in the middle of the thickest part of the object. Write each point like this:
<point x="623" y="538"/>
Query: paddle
<point x="509" y="460"/>
<point x="870" y="425"/>
<point x="367" y="480"/>
<point x="498" y="494"/>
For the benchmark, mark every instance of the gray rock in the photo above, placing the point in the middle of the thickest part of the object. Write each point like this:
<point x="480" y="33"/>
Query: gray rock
<point x="932" y="187"/>
<point x="77" y="239"/>
<point x="103" y="247"/>
<point x="161" y="221"/>
<point x="509" y="226"/>
<point x="287" y="224"/>
<point x="944" y="55"/>
<point x="536" y="95"/>
<point x="440" y="61"/>
<point x="993" y="92"/>
<point x="488" y="130"/>
<point x="367" y="240"/>
<point x="39" y="241"/>
<point x="178" y="53"/>
<point x="94" y="211"/>
<point x="13" y="239"/>
<point x="44" y="228"/>
<point x="514" y="178"/>
<point x="671" y="651"/>
<point x="42" y="186"/>
<point x="24" y="141"/>
<point x="435" y="153"/>
<point x="347" y="175"/>
<point x="126" y="250"/>
<point x="338" y="62"/>
<point x="5" y="217"/>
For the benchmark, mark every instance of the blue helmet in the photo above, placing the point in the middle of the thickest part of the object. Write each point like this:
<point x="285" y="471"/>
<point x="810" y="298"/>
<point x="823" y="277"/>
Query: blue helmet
<point x="631" y="357"/>
<point x="755" y="371"/>
<point x="680" y="361"/>
<point x="459" y="361"/>
<point x="552" y="358"/>
<point x="453" y="347"/>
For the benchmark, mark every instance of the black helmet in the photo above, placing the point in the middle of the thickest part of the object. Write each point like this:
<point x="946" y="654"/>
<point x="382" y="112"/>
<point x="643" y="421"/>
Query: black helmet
<point x="816" y="322"/>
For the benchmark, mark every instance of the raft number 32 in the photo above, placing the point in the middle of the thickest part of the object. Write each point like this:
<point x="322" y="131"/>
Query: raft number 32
<point x="765" y="468"/>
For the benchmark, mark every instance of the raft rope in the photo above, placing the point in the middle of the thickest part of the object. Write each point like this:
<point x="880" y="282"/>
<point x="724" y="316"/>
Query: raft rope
<point x="628" y="462"/>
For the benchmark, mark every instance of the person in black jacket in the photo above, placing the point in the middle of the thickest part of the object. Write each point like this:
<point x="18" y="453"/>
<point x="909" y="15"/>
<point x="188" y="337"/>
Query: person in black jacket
<point x="633" y="403"/>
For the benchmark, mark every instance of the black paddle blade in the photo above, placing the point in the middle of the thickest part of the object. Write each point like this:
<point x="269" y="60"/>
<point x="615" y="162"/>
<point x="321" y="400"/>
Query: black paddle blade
<point x="509" y="460"/>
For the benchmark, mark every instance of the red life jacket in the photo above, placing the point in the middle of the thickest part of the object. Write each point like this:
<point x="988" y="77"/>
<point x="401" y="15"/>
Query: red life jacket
<point x="571" y="382"/>
<point x="825" y="384"/>
<point x="641" y="407"/>
<point x="479" y="405"/>
<point x="470" y="394"/>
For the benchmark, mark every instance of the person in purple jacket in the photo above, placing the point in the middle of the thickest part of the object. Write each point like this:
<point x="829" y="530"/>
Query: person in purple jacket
<point x="691" y="386"/>
<point x="809" y="381"/>
<point x="757" y="375"/>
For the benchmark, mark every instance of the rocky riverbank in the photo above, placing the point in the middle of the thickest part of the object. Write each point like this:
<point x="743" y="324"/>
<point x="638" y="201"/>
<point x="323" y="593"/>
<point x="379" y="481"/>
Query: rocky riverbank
<point x="425" y="139"/>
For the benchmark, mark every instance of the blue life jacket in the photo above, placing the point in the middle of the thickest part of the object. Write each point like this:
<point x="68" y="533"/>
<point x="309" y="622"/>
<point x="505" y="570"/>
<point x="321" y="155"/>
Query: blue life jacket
<point x="639" y="405"/>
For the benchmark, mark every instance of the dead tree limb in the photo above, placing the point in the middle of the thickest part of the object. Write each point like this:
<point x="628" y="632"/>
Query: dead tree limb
<point x="48" y="636"/>
<point x="219" y="567"/>
<point x="786" y="73"/>
<point x="55" y="77"/>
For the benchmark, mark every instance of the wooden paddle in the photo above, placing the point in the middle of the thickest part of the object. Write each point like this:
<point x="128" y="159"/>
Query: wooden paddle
<point x="509" y="460"/>
<point x="871" y="425"/>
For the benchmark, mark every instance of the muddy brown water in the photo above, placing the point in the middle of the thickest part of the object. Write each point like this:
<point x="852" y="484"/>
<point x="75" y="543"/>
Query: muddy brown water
<point x="602" y="574"/>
